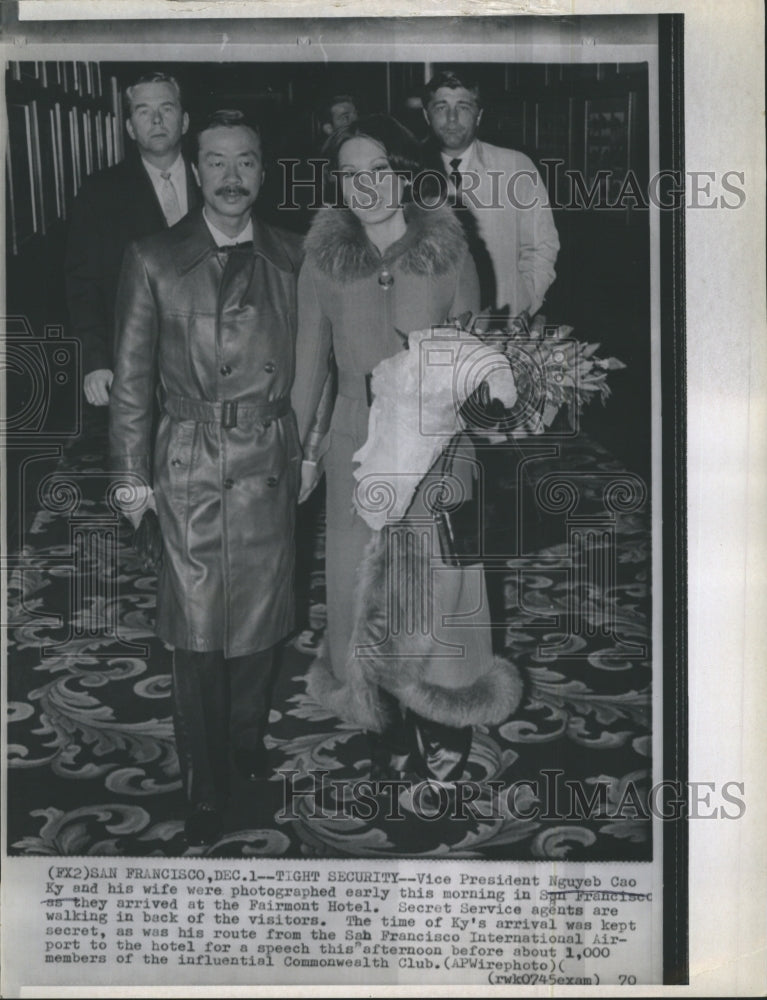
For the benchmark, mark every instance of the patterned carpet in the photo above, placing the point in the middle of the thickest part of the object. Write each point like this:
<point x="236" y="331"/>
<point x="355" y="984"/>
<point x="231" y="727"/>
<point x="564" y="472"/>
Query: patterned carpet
<point x="92" y="762"/>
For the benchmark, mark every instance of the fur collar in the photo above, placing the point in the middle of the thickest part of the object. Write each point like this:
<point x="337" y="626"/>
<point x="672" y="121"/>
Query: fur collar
<point x="433" y="244"/>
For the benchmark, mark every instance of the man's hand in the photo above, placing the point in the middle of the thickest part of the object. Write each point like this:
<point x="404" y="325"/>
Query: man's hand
<point x="137" y="504"/>
<point x="96" y="386"/>
<point x="310" y="476"/>
<point x="134" y="501"/>
<point x="147" y="541"/>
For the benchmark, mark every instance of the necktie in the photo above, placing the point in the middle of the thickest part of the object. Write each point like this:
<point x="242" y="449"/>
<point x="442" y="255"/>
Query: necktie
<point x="455" y="173"/>
<point x="169" y="199"/>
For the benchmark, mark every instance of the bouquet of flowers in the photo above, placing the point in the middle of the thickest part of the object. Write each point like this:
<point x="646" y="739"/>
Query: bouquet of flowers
<point x="551" y="369"/>
<point x="425" y="395"/>
<point x="416" y="411"/>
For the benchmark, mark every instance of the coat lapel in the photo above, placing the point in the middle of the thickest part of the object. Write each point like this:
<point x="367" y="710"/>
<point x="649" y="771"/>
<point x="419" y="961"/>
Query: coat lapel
<point x="144" y="202"/>
<point x="193" y="196"/>
<point x="195" y="243"/>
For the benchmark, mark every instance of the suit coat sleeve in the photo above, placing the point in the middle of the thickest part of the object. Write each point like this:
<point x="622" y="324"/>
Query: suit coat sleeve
<point x="466" y="298"/>
<point x="538" y="239"/>
<point x="131" y="404"/>
<point x="312" y="394"/>
<point x="89" y="311"/>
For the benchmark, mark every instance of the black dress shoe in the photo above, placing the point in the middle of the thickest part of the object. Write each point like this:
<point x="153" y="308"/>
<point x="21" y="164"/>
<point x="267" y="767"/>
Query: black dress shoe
<point x="202" y="826"/>
<point x="253" y="765"/>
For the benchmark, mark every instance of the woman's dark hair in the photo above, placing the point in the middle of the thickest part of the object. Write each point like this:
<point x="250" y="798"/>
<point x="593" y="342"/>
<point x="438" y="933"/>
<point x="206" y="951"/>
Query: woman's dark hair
<point x="402" y="150"/>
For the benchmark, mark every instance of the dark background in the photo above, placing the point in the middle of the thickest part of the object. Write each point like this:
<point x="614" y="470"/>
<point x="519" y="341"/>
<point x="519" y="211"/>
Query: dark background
<point x="549" y="111"/>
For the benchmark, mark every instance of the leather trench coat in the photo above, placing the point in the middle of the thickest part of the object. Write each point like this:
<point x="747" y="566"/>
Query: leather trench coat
<point x="216" y="330"/>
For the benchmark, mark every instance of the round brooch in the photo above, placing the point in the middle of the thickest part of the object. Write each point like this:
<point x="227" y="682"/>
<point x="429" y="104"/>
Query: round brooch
<point x="386" y="280"/>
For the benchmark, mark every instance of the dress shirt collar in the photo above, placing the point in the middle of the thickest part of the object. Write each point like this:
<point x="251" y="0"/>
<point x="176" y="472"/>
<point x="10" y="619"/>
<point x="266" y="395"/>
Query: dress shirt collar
<point x="222" y="240"/>
<point x="466" y="158"/>
<point x="177" y="172"/>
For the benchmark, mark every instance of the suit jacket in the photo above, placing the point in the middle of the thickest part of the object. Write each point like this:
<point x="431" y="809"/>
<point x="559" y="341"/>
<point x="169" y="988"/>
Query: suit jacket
<point x="213" y="327"/>
<point x="509" y="226"/>
<point x="114" y="207"/>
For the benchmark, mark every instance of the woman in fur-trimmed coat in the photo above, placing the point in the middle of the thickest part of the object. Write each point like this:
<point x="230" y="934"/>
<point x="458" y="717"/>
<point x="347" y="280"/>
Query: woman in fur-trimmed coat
<point x="376" y="264"/>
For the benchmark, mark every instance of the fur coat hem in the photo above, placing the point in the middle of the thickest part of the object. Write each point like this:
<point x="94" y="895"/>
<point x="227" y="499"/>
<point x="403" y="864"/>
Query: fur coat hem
<point x="488" y="701"/>
<point x="405" y="668"/>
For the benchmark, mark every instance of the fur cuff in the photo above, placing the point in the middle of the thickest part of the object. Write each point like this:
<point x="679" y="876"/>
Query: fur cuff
<point x="490" y="700"/>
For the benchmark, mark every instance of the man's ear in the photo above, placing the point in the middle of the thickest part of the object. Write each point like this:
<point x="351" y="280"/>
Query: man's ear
<point x="479" y="116"/>
<point x="426" y="116"/>
<point x="129" y="129"/>
<point x="327" y="128"/>
<point x="196" y="173"/>
<point x="185" y="124"/>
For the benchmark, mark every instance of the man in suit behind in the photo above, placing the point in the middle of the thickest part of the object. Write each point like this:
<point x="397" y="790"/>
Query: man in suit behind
<point x="151" y="189"/>
<point x="501" y="198"/>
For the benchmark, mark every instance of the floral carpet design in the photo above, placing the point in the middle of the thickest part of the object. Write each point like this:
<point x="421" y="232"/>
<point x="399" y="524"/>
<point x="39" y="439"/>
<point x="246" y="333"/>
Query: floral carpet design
<point x="91" y="756"/>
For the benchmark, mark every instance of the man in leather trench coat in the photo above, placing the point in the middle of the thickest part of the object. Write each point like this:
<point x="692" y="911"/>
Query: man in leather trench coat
<point x="211" y="316"/>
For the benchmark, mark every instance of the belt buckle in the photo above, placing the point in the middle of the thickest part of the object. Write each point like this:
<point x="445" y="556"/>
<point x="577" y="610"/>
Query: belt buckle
<point x="229" y="414"/>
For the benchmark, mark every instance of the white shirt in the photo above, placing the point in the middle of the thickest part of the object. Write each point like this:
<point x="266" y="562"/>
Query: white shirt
<point x="518" y="232"/>
<point x="177" y="176"/>
<point x="222" y="239"/>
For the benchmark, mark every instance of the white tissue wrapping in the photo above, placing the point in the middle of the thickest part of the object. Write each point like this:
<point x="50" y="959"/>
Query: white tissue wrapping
<point x="417" y="396"/>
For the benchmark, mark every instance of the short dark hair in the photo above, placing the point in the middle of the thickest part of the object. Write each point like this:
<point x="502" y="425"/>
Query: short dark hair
<point x="228" y="118"/>
<point x="325" y="112"/>
<point x="156" y="77"/>
<point x="447" y="78"/>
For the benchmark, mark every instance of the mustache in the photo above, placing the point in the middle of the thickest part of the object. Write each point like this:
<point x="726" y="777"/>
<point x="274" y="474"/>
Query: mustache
<point x="233" y="189"/>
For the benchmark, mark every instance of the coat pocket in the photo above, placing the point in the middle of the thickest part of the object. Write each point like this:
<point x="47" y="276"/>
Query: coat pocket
<point x="174" y="461"/>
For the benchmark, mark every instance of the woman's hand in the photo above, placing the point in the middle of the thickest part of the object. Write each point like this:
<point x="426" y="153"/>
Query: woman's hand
<point x="310" y="476"/>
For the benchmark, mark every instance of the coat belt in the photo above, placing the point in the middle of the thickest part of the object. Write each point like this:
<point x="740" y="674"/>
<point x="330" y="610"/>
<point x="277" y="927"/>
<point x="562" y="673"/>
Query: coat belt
<point x="227" y="412"/>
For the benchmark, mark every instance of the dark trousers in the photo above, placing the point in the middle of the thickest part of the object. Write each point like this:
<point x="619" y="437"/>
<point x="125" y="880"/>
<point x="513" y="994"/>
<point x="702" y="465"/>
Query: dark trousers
<point x="218" y="704"/>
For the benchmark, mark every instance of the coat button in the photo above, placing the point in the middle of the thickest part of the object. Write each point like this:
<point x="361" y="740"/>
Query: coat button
<point x="225" y="370"/>
<point x="228" y="484"/>
<point x="270" y="366"/>
<point x="271" y="481"/>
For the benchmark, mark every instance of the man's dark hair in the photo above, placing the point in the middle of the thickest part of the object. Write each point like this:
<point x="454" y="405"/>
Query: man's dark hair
<point x="157" y="77"/>
<point x="325" y="111"/>
<point x="228" y="118"/>
<point x="447" y="78"/>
